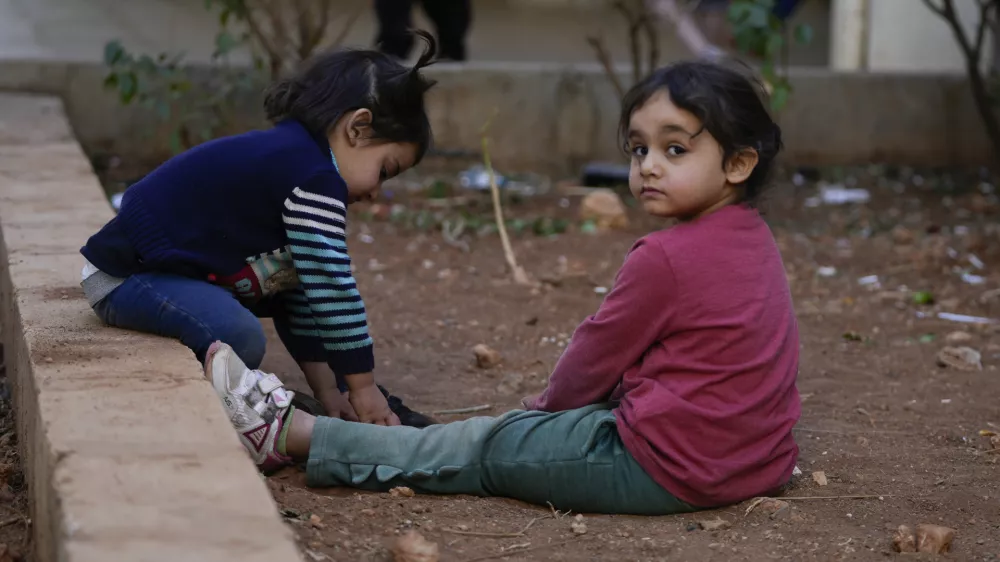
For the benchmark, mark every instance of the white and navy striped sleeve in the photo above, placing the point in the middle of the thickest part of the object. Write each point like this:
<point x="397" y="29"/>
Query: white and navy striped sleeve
<point x="329" y="305"/>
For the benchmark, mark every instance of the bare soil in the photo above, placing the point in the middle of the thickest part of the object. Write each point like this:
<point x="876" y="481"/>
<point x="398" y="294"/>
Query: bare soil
<point x="15" y="533"/>
<point x="881" y="418"/>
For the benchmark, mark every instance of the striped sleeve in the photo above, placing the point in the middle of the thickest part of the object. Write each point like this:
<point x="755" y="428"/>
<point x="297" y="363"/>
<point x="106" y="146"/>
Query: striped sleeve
<point x="329" y="305"/>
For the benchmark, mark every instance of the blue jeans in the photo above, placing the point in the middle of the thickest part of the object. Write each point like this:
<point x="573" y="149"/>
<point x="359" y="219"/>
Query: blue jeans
<point x="198" y="313"/>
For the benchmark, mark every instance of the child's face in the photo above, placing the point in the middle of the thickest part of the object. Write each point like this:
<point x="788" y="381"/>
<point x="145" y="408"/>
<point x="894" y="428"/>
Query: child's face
<point x="364" y="162"/>
<point x="677" y="169"/>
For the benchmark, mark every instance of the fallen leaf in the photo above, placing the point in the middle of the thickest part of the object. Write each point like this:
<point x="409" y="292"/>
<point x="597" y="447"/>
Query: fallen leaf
<point x="903" y="540"/>
<point x="714" y="524"/>
<point x="486" y="357"/>
<point x="402" y="492"/>
<point x="578" y="526"/>
<point x="934" y="539"/>
<point x="961" y="358"/>
<point x="820" y="478"/>
<point x="413" y="547"/>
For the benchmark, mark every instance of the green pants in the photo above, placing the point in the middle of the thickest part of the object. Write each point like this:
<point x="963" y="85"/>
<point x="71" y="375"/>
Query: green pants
<point x="574" y="460"/>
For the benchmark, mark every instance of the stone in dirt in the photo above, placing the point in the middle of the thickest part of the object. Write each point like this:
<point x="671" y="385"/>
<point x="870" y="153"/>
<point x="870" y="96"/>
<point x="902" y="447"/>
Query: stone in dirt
<point x="934" y="539"/>
<point x="961" y="358"/>
<point x="605" y="208"/>
<point x="820" y="478"/>
<point x="776" y="509"/>
<point x="486" y="357"/>
<point x="316" y="521"/>
<point x="902" y="235"/>
<point x="578" y="526"/>
<point x="958" y="338"/>
<point x="413" y="547"/>
<point x="402" y="492"/>
<point x="903" y="540"/>
<point x="716" y="524"/>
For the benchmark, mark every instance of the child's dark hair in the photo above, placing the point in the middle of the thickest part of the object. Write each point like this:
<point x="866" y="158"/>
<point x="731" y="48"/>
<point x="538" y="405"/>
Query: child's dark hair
<point x="337" y="82"/>
<point x="729" y="105"/>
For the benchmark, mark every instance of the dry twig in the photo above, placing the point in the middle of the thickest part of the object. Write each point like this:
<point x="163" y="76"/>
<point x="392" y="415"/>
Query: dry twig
<point x="469" y="410"/>
<point x="520" y="276"/>
<point x="514" y="535"/>
<point x="526" y="550"/>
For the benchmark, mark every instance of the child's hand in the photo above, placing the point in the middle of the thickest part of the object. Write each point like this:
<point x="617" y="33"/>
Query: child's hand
<point x="371" y="407"/>
<point x="338" y="406"/>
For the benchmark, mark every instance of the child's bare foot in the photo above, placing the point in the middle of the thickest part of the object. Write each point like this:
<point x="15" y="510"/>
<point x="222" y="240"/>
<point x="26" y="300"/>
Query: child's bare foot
<point x="255" y="402"/>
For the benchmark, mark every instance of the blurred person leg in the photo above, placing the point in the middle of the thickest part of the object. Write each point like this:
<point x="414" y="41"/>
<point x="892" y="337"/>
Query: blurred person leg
<point x="394" y="27"/>
<point x="452" y="20"/>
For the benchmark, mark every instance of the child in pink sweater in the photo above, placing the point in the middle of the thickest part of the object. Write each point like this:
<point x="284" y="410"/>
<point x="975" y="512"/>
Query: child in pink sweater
<point x="678" y="394"/>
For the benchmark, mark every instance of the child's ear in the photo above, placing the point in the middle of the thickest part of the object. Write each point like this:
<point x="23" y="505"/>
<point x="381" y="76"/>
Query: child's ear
<point x="359" y="125"/>
<point x="740" y="165"/>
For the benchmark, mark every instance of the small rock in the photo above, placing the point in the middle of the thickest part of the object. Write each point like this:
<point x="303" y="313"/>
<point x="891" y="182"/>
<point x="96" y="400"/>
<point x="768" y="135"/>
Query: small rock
<point x="578" y="526"/>
<point x="820" y="478"/>
<point x="413" y="547"/>
<point x="369" y="512"/>
<point x="934" y="539"/>
<point x="605" y="208"/>
<point x="902" y="235"/>
<point x="961" y="358"/>
<point x="903" y="540"/>
<point x="316" y="521"/>
<point x="716" y="524"/>
<point x="486" y="357"/>
<point x="512" y="383"/>
<point x="958" y="338"/>
<point x="776" y="509"/>
<point x="402" y="492"/>
<point x="316" y="556"/>
<point x="995" y="441"/>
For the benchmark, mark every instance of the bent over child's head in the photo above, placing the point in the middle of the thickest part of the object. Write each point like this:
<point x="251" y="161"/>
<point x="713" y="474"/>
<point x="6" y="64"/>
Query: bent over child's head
<point x="368" y="106"/>
<point x="699" y="138"/>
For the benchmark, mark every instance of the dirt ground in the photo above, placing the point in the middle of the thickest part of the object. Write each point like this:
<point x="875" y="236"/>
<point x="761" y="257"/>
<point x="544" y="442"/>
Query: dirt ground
<point x="14" y="523"/>
<point x="881" y="418"/>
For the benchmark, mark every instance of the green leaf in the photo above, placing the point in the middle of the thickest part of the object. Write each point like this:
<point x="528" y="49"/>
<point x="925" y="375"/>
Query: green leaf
<point x="113" y="52"/>
<point x="111" y="81"/>
<point x="803" y="34"/>
<point x="127" y="87"/>
<point x="773" y="46"/>
<point x="923" y="298"/>
<point x="779" y="97"/>
<point x="225" y="42"/>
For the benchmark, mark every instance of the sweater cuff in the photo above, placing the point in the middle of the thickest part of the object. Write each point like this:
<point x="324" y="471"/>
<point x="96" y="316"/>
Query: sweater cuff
<point x="352" y="361"/>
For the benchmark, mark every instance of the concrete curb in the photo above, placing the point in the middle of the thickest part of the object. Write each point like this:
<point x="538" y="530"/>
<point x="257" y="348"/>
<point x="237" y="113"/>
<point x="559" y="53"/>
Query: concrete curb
<point x="127" y="451"/>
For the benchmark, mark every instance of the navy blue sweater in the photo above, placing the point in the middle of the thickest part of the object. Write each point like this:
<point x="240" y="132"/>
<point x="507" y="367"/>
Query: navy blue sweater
<point x="262" y="213"/>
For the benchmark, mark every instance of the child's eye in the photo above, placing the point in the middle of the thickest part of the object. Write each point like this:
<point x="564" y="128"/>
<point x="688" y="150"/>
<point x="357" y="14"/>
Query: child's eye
<point x="675" y="150"/>
<point x="383" y="174"/>
<point x="639" y="151"/>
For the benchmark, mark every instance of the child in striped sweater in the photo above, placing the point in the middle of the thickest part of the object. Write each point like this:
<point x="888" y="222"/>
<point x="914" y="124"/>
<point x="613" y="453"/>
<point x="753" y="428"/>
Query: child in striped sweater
<point x="253" y="225"/>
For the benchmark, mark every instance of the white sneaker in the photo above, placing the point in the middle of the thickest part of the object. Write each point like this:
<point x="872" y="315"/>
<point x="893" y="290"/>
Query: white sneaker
<point x="256" y="403"/>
